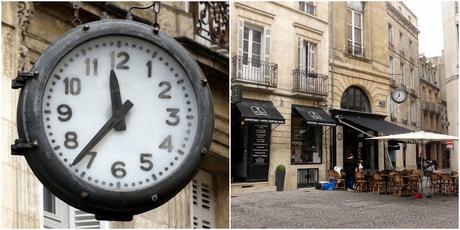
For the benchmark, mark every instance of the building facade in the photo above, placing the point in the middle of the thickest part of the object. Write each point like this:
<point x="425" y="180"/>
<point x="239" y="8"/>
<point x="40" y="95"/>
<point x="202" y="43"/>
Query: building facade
<point x="434" y="107"/>
<point x="27" y="29"/>
<point x="451" y="38"/>
<point x="403" y="66"/>
<point x="280" y="88"/>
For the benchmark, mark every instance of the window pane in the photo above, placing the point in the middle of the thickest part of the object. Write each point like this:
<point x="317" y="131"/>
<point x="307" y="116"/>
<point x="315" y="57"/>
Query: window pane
<point x="349" y="17"/>
<point x="302" y="6"/>
<point x="49" y="201"/>
<point x="349" y="33"/>
<point x="257" y="36"/>
<point x="306" y="141"/>
<point x="357" y="35"/>
<point x="357" y="20"/>
<point x="246" y="33"/>
<point x="255" y="49"/>
<point x="245" y="45"/>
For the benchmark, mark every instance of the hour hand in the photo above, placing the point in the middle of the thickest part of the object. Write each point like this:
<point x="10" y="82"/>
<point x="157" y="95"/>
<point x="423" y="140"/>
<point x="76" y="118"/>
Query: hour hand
<point x="116" y="99"/>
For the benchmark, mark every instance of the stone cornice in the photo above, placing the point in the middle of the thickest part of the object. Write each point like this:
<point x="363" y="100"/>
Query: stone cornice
<point x="307" y="28"/>
<point x="300" y="12"/>
<point x="254" y="10"/>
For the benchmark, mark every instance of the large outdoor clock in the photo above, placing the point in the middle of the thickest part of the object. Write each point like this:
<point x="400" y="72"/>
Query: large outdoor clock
<point x="115" y="118"/>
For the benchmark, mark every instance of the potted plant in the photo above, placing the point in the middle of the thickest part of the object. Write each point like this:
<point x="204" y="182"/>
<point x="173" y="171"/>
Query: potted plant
<point x="279" y="177"/>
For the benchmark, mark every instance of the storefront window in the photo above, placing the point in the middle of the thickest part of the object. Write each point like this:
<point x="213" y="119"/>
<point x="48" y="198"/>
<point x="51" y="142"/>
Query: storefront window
<point x="306" y="146"/>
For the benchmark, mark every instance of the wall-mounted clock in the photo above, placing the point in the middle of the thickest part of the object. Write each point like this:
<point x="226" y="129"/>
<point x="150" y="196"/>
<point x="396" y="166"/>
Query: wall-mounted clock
<point x="399" y="95"/>
<point x="119" y="118"/>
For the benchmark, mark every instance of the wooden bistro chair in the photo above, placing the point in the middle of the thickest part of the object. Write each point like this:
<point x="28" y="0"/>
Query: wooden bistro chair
<point x="446" y="184"/>
<point x="398" y="184"/>
<point x="360" y="181"/>
<point x="340" y="182"/>
<point x="435" y="183"/>
<point x="377" y="182"/>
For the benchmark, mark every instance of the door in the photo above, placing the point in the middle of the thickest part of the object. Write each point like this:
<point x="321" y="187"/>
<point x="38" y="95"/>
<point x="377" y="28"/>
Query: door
<point x="258" y="150"/>
<point x="252" y="53"/>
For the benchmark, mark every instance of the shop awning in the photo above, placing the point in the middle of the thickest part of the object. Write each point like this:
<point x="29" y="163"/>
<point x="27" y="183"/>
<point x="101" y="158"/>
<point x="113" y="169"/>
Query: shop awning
<point x="376" y="124"/>
<point x="259" y="111"/>
<point x="314" y="115"/>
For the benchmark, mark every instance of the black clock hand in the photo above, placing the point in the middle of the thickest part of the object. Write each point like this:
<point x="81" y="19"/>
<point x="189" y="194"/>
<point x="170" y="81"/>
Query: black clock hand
<point x="116" y="99"/>
<point x="116" y="117"/>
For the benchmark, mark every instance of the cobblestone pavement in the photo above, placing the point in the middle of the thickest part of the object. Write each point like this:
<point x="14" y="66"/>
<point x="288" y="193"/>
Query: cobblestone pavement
<point x="311" y="208"/>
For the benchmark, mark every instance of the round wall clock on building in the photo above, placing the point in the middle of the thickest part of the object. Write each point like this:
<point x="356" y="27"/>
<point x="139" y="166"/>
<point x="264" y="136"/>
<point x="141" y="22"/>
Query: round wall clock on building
<point x="399" y="95"/>
<point x="114" y="118"/>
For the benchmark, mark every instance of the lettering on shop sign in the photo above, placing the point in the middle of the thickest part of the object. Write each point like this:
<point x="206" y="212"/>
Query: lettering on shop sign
<point x="260" y="144"/>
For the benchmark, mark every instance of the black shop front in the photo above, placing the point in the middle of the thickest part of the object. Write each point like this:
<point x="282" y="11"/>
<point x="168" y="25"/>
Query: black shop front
<point x="252" y="123"/>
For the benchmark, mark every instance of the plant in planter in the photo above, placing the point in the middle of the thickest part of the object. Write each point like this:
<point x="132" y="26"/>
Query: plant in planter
<point x="279" y="177"/>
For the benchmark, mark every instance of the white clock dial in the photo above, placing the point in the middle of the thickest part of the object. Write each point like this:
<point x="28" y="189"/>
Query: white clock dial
<point x="159" y="128"/>
<point x="399" y="95"/>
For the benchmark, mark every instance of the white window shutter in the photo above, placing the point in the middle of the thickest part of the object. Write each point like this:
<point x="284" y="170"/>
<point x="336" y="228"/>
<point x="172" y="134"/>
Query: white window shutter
<point x="301" y="53"/>
<point x="267" y="50"/>
<point x="203" y="202"/>
<point x="311" y="57"/>
<point x="240" y="37"/>
<point x="83" y="220"/>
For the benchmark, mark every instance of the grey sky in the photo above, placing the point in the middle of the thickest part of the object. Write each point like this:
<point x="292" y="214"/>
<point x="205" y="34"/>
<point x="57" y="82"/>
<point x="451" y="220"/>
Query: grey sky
<point x="429" y="24"/>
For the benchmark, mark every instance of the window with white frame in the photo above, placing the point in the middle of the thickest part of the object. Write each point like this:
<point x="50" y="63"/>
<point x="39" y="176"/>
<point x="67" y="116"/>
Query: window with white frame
<point x="203" y="202"/>
<point x="307" y="55"/>
<point x="391" y="65"/>
<point x="308" y="7"/>
<point x="402" y="78"/>
<point x="252" y="45"/>
<point x="401" y="41"/>
<point x="355" y="28"/>
<point x="390" y="34"/>
<point x="413" y="109"/>
<point x="57" y="214"/>
<point x="410" y="48"/>
<point x="412" y="78"/>
<point x="392" y="108"/>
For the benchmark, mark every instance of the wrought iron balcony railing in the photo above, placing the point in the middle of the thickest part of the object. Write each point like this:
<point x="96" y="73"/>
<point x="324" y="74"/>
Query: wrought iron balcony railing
<point x="357" y="51"/>
<point x="254" y="71"/>
<point x="211" y="21"/>
<point x="310" y="82"/>
<point x="426" y="106"/>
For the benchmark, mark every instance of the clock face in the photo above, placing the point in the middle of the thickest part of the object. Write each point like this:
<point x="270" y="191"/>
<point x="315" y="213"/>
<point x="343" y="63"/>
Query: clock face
<point x="399" y="95"/>
<point x="120" y="113"/>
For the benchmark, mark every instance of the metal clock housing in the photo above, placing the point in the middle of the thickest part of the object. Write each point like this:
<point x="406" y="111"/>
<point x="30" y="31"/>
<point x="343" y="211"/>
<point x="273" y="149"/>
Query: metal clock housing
<point x="399" y="95"/>
<point x="117" y="205"/>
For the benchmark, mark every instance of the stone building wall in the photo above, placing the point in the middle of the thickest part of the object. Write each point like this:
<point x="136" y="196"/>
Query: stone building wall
<point x="27" y="29"/>
<point x="287" y="23"/>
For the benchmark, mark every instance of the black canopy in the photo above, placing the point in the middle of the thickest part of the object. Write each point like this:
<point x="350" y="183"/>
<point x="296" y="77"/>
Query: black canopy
<point x="378" y="125"/>
<point x="259" y="111"/>
<point x="314" y="115"/>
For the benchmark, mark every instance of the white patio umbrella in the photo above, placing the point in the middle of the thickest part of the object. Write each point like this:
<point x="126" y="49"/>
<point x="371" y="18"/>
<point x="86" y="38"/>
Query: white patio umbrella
<point x="420" y="137"/>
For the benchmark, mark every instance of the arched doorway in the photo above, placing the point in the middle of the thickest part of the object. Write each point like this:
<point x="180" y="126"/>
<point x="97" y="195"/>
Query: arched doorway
<point x="354" y="141"/>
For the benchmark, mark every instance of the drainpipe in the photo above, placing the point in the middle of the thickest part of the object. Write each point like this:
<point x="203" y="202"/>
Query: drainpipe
<point x="331" y="63"/>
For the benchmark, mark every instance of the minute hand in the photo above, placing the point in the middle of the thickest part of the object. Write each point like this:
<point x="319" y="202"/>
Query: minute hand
<point x="116" y="117"/>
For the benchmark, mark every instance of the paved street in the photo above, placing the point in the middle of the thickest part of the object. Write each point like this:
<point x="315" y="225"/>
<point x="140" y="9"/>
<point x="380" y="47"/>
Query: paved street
<point x="311" y="208"/>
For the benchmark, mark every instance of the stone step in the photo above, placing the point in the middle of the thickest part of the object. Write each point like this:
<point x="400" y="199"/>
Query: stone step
<point x="249" y="187"/>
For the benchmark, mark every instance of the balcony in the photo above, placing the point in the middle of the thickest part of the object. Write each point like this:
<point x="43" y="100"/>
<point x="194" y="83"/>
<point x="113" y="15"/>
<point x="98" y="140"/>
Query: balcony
<point x="310" y="83"/>
<point x="211" y="23"/>
<point x="254" y="71"/>
<point x="357" y="51"/>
